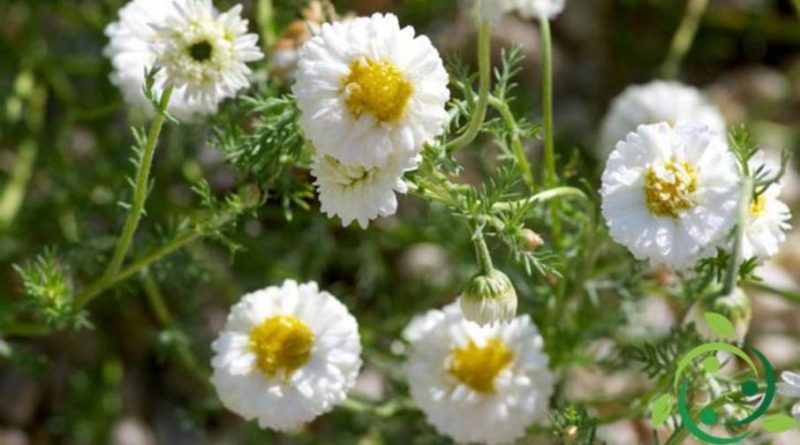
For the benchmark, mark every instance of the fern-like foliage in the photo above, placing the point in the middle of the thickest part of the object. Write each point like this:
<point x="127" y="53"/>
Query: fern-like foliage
<point x="659" y="359"/>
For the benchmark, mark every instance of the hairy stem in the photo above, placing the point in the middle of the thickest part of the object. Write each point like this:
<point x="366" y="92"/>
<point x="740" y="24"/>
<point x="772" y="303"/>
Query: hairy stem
<point x="516" y="144"/>
<point x="683" y="38"/>
<point x="484" y="74"/>
<point x="482" y="253"/>
<point x="550" y="177"/>
<point x="140" y="187"/>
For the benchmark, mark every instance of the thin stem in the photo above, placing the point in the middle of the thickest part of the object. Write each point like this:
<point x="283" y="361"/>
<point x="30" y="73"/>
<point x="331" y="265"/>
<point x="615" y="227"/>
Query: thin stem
<point x="684" y="37"/>
<point x="796" y="4"/>
<point x="14" y="194"/>
<point x="137" y="266"/>
<point x="140" y="187"/>
<point x="266" y="19"/>
<point x="482" y="253"/>
<point x="484" y="79"/>
<point x="161" y="310"/>
<point x="516" y="143"/>
<point x="743" y="214"/>
<point x="550" y="177"/>
<point x="547" y="195"/>
<point x="787" y="294"/>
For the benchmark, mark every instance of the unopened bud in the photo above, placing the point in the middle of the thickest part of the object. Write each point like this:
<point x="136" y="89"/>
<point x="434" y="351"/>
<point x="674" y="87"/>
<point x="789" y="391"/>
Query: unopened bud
<point x="531" y="240"/>
<point x="735" y="307"/>
<point x="489" y="298"/>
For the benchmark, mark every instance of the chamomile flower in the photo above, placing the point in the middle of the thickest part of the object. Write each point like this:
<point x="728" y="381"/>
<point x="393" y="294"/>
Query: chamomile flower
<point x="131" y="53"/>
<point x="475" y="383"/>
<point x="790" y="387"/>
<point x="655" y="102"/>
<point x="286" y="355"/>
<point x="369" y="89"/>
<point x="356" y="193"/>
<point x="205" y="53"/>
<point x="768" y="220"/>
<point x="669" y="193"/>
<point x="494" y="9"/>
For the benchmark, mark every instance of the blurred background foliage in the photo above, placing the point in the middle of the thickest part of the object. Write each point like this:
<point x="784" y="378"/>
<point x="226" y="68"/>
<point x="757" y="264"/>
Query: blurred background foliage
<point x="64" y="154"/>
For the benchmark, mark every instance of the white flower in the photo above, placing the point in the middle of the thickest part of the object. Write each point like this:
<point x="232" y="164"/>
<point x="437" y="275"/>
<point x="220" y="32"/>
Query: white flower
<point x="131" y="54"/>
<point x="655" y="102"/>
<point x="368" y="90"/>
<point x="286" y="355"/>
<point x="476" y="383"/>
<point x="204" y="53"/>
<point x="356" y="193"/>
<point x="768" y="219"/>
<point x="669" y="193"/>
<point x="494" y="9"/>
<point x="790" y="387"/>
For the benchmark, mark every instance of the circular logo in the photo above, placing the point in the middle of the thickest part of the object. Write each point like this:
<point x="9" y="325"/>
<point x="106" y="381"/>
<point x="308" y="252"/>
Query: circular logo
<point x="712" y="414"/>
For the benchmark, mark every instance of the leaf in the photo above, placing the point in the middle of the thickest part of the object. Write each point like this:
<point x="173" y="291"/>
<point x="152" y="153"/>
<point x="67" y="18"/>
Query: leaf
<point x="661" y="409"/>
<point x="778" y="423"/>
<point x="720" y="325"/>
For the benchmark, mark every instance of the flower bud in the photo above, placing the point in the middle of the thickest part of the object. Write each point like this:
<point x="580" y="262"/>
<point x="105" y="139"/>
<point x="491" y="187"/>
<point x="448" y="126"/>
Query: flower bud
<point x="531" y="240"/>
<point x="735" y="307"/>
<point x="489" y="298"/>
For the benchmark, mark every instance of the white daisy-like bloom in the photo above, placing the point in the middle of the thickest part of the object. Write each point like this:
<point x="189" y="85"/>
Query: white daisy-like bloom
<point x="286" y="355"/>
<point x="655" y="102"/>
<point x="369" y="89"/>
<point x="493" y="10"/>
<point x="790" y="387"/>
<point x="768" y="219"/>
<point x="357" y="193"/>
<point x="205" y="53"/>
<point x="669" y="193"/>
<point x="475" y="383"/>
<point x="131" y="54"/>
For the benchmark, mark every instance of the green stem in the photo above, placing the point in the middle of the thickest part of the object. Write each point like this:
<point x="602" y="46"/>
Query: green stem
<point x="550" y="177"/>
<point x="516" y="144"/>
<point x="266" y="19"/>
<point x="482" y="253"/>
<point x="744" y="211"/>
<point x="484" y="79"/>
<point x="545" y="196"/>
<point x="787" y="294"/>
<point x="14" y="194"/>
<point x="796" y="4"/>
<point x="684" y="37"/>
<point x="161" y="310"/>
<point x="140" y="187"/>
<point x="137" y="266"/>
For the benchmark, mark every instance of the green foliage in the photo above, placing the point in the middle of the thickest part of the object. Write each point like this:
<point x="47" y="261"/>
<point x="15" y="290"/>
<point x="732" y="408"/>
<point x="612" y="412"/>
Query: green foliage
<point x="49" y="293"/>
<point x="573" y="426"/>
<point x="660" y="358"/>
<point x="265" y="143"/>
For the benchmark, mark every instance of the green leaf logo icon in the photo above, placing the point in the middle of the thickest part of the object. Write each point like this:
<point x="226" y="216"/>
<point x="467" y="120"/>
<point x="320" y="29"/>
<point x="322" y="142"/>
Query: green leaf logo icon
<point x="661" y="409"/>
<point x="778" y="423"/>
<point x="720" y="325"/>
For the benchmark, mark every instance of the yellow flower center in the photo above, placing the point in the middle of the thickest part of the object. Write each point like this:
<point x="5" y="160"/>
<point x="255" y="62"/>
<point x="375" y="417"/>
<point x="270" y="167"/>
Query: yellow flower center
<point x="281" y="343"/>
<point x="758" y="206"/>
<point x="670" y="187"/>
<point x="378" y="88"/>
<point x="477" y="366"/>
